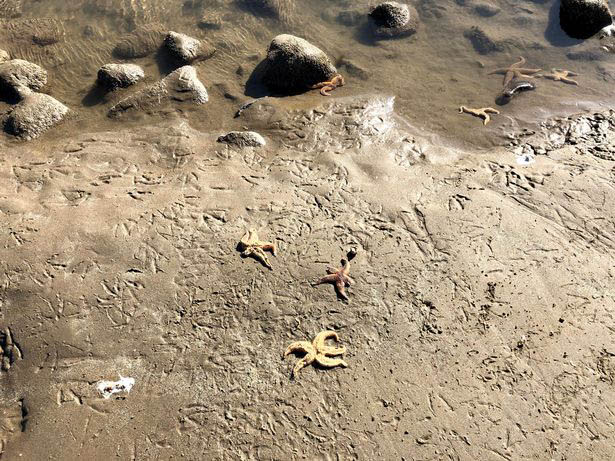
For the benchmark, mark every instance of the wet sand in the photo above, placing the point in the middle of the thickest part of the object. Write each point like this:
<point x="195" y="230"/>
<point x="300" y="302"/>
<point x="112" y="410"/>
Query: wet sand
<point x="480" y="325"/>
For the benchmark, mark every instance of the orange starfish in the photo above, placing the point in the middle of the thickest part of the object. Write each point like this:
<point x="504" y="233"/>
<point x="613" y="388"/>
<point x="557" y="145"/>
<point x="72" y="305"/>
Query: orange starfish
<point x="515" y="71"/>
<point x="339" y="278"/>
<point x="482" y="112"/>
<point x="560" y="75"/>
<point x="331" y="85"/>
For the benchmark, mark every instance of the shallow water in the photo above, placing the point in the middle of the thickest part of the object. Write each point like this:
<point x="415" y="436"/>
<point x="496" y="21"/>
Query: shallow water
<point x="431" y="73"/>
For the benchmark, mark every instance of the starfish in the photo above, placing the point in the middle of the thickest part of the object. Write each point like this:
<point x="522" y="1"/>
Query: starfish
<point x="482" y="113"/>
<point x="560" y="75"/>
<point x="250" y="245"/>
<point x="339" y="278"/>
<point x="330" y="85"/>
<point x="515" y="70"/>
<point x="317" y="351"/>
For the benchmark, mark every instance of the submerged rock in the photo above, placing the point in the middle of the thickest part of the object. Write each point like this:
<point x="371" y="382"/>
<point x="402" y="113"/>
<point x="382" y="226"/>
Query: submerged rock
<point x="481" y="41"/>
<point x="294" y="64"/>
<point x="143" y="41"/>
<point x="279" y="9"/>
<point x="187" y="49"/>
<point x="392" y="19"/>
<point x="34" y="115"/>
<point x="584" y="18"/>
<point x="243" y="139"/>
<point x="20" y="76"/>
<point x="486" y="10"/>
<point x="512" y="88"/>
<point x="180" y="85"/>
<point x="114" y="76"/>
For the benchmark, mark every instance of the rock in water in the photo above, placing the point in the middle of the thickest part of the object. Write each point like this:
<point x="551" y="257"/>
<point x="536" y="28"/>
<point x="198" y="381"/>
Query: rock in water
<point x="294" y="64"/>
<point x="34" y="115"/>
<point x="242" y="139"/>
<point x="21" y="76"/>
<point x="143" y="41"/>
<point x="187" y="49"/>
<point x="584" y="18"/>
<point x="392" y="19"/>
<point x="114" y="76"/>
<point x="279" y="9"/>
<point x="4" y="56"/>
<point x="181" y="85"/>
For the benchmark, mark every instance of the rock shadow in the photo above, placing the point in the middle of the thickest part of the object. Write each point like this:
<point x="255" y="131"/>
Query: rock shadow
<point x="255" y="88"/>
<point x="96" y="95"/>
<point x="165" y="61"/>
<point x="364" y="33"/>
<point x="554" y="33"/>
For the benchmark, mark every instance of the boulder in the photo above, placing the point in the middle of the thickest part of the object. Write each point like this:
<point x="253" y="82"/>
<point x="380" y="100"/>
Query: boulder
<point x="242" y="139"/>
<point x="21" y="76"/>
<point x="186" y="49"/>
<point x="35" y="114"/>
<point x="392" y="19"/>
<point x="180" y="85"/>
<point x="4" y="56"/>
<point x="584" y="18"/>
<point x="114" y="76"/>
<point x="294" y="64"/>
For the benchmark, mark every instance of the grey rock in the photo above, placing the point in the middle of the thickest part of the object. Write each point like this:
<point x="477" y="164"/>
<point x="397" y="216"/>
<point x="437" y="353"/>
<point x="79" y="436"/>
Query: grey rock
<point x="114" y="76"/>
<point x="486" y="9"/>
<point x="34" y="115"/>
<point x="243" y="139"/>
<point x="143" y="41"/>
<point x="210" y="21"/>
<point x="4" y="56"/>
<point x="584" y="18"/>
<point x="481" y="42"/>
<point x="187" y="49"/>
<point x="20" y="76"/>
<point x="294" y="64"/>
<point x="392" y="19"/>
<point x="181" y="85"/>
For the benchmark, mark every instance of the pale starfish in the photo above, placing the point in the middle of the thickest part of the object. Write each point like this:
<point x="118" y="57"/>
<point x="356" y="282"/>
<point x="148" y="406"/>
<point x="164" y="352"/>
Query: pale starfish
<point x="330" y="85"/>
<point x="515" y="70"/>
<point x="317" y="351"/>
<point x="560" y="75"/>
<point x="250" y="245"/>
<point x="339" y="278"/>
<point x="482" y="113"/>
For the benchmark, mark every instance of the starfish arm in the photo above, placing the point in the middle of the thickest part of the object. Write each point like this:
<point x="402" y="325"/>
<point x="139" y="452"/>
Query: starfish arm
<point x="530" y="71"/>
<point x="520" y="62"/>
<point x="267" y="246"/>
<point x="303" y="347"/>
<point x="491" y="110"/>
<point x="338" y="80"/>
<point x="319" y="340"/>
<point x="302" y="363"/>
<point x="348" y="281"/>
<point x="332" y="351"/>
<point x="325" y="90"/>
<point x="486" y="118"/>
<point x="340" y="287"/>
<point x="260" y="255"/>
<point x="327" y="279"/>
<point x="319" y="85"/>
<point x="508" y="77"/>
<point x="329" y="362"/>
<point x="569" y="80"/>
<point x="345" y="267"/>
